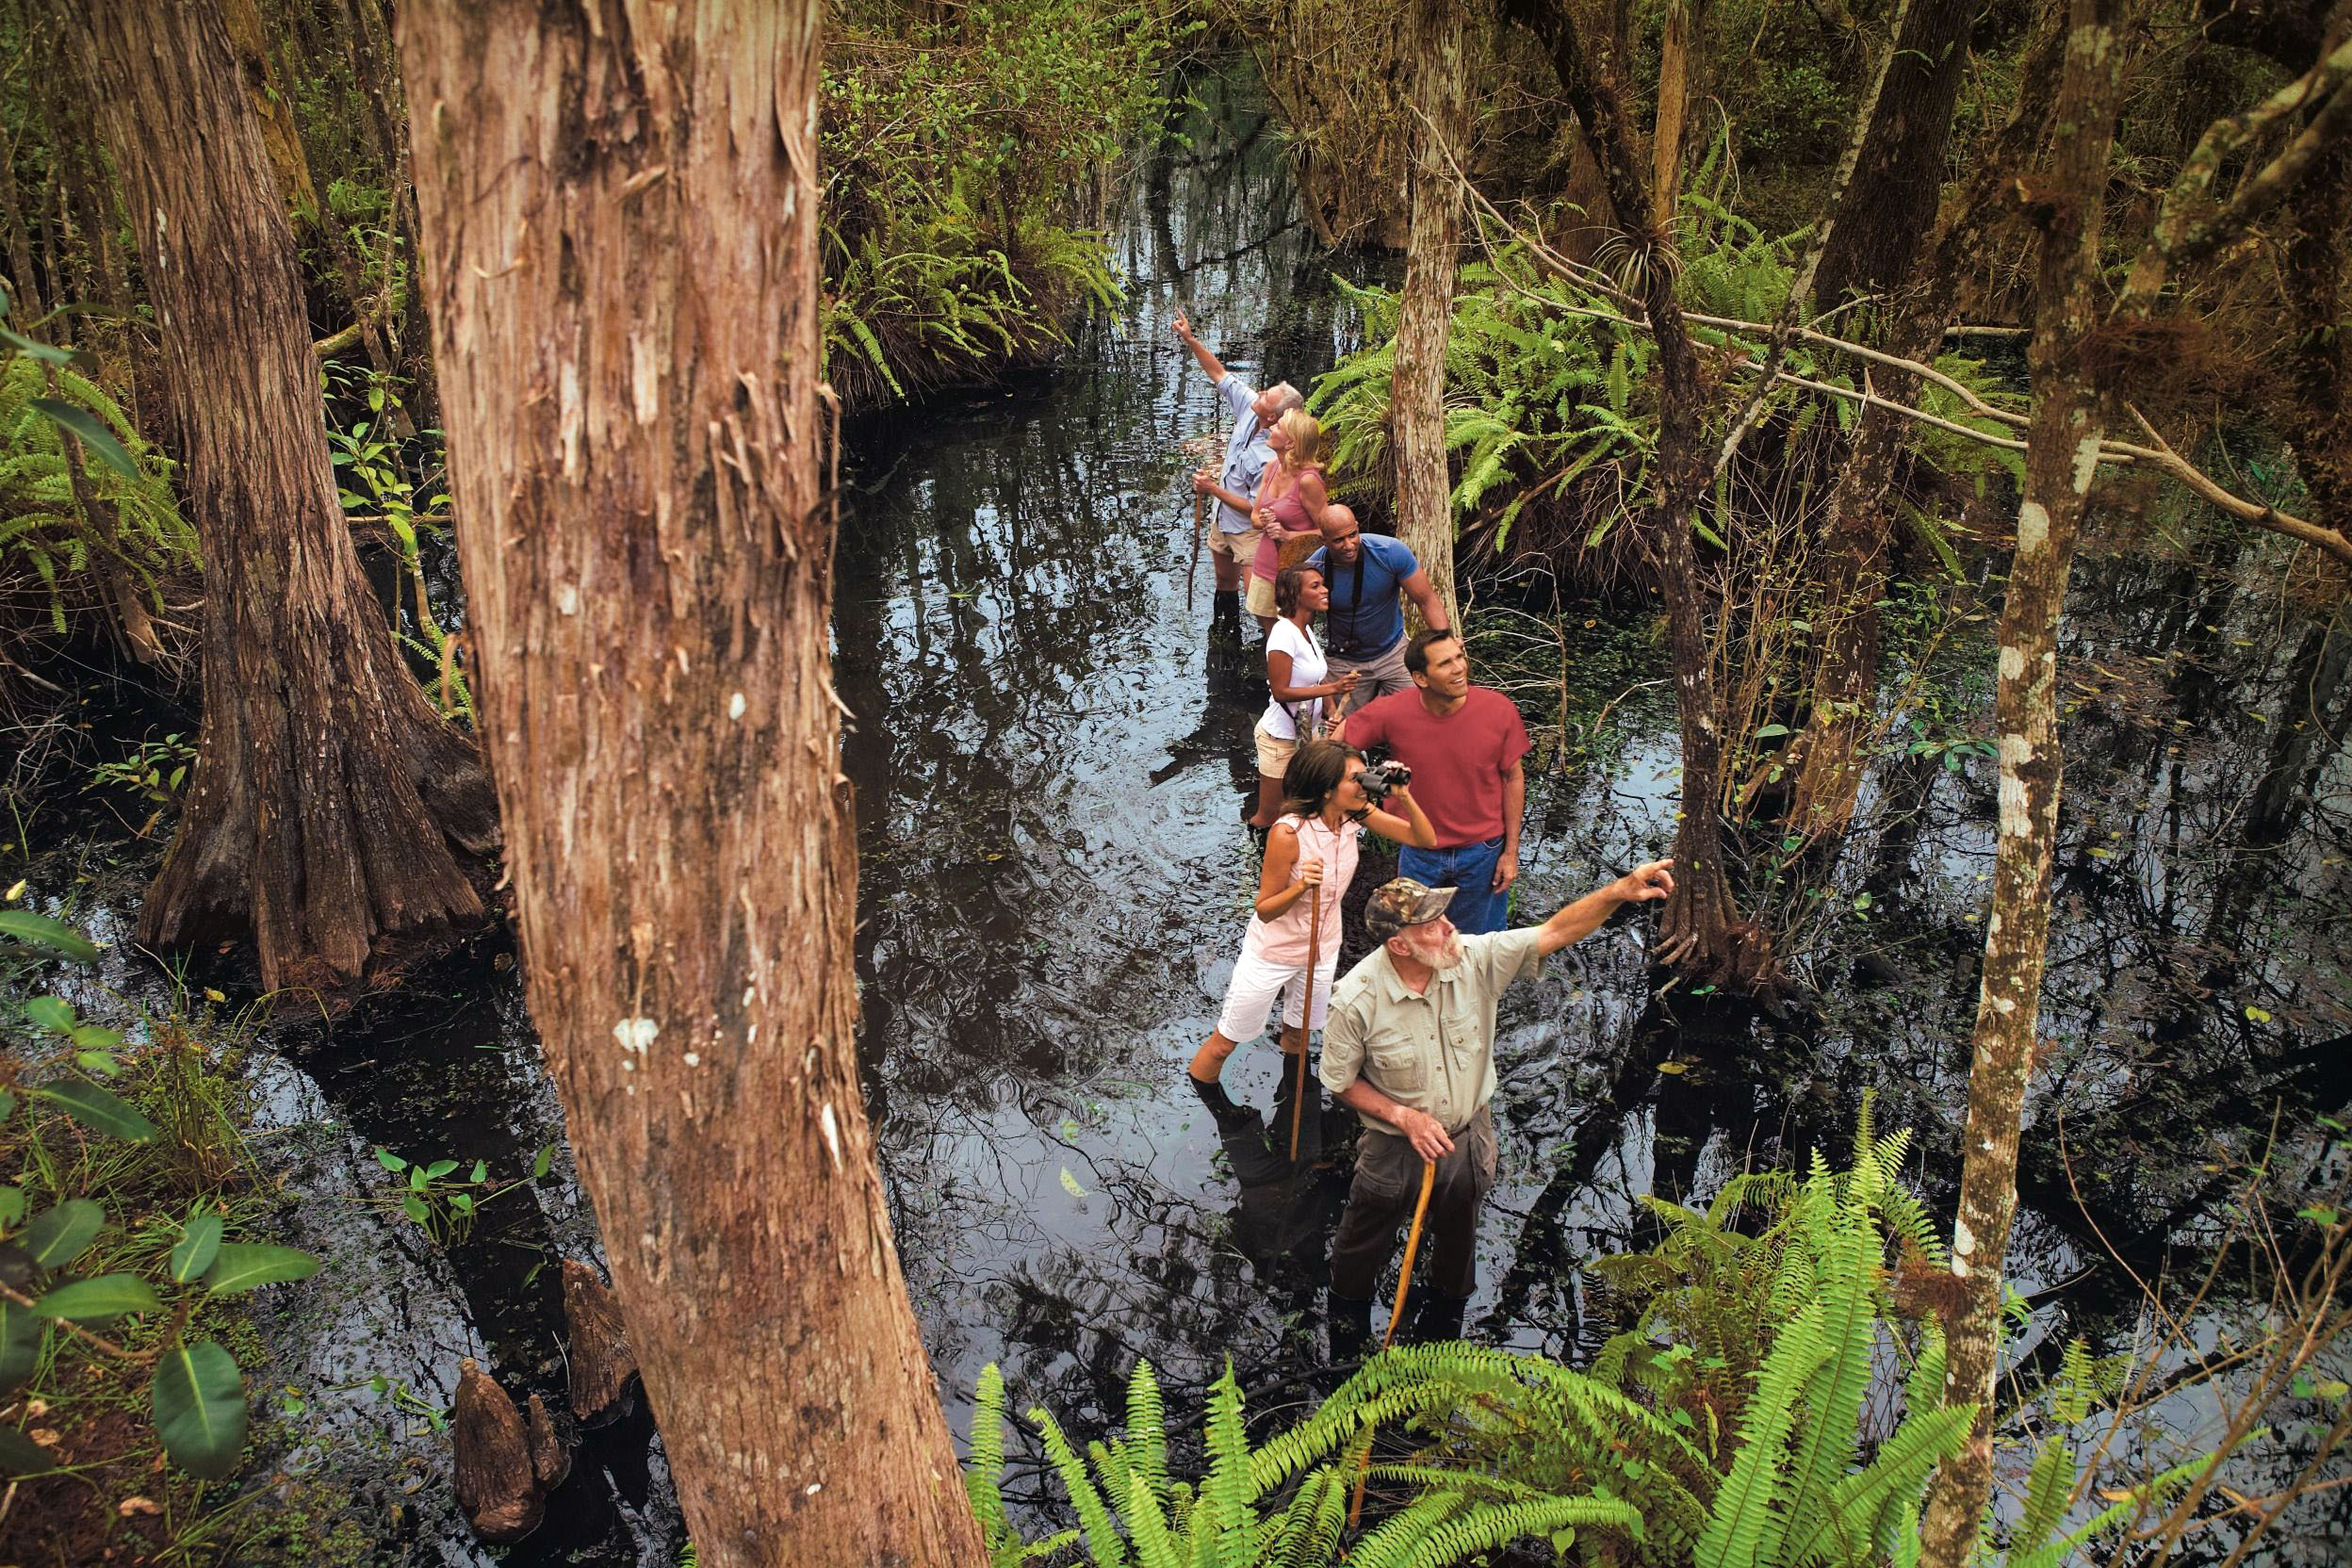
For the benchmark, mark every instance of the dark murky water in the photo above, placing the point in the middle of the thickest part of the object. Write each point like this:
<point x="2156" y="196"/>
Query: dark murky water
<point x="1055" y="883"/>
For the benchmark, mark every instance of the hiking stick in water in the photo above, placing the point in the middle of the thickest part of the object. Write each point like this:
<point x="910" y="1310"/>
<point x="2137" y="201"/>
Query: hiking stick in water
<point x="1306" y="1013"/>
<point x="1200" y="532"/>
<point x="1404" y="1284"/>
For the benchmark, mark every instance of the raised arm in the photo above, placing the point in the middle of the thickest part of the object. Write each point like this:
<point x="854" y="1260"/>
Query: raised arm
<point x="1210" y="364"/>
<point x="1579" y="919"/>
<point x="1412" y="828"/>
<point x="1423" y="593"/>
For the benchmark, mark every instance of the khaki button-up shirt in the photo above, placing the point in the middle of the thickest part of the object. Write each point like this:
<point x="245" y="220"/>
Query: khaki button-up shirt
<point x="1433" y="1051"/>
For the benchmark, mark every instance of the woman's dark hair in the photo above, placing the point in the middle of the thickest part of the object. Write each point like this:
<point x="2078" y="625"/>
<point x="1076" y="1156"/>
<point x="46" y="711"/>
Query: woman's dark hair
<point x="1289" y="586"/>
<point x="1316" y="768"/>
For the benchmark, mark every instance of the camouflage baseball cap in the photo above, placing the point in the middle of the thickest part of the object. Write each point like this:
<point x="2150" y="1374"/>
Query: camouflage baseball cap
<point x="1401" y="903"/>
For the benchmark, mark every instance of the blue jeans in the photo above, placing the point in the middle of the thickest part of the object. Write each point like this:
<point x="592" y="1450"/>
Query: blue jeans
<point x="1478" y="909"/>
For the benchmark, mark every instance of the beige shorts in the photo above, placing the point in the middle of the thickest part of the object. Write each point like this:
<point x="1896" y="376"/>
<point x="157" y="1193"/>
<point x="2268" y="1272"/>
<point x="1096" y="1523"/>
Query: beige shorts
<point x="1274" y="752"/>
<point x="1239" y="547"/>
<point x="1259" y="600"/>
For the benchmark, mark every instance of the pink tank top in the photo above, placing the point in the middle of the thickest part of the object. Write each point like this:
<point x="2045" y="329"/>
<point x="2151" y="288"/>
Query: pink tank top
<point x="1290" y="514"/>
<point x="1283" y="939"/>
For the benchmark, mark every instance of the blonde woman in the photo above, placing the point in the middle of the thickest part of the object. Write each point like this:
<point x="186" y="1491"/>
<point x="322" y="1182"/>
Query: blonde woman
<point x="1290" y="503"/>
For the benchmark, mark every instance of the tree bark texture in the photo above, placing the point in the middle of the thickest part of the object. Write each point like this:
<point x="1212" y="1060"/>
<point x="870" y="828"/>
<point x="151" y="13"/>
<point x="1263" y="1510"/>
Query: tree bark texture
<point x="1866" y="256"/>
<point x="330" y="802"/>
<point x="273" y="111"/>
<point x="1889" y="201"/>
<point x="619" y="211"/>
<point x="1673" y="101"/>
<point x="1702" y="933"/>
<point x="2062" y="443"/>
<point x="1437" y="91"/>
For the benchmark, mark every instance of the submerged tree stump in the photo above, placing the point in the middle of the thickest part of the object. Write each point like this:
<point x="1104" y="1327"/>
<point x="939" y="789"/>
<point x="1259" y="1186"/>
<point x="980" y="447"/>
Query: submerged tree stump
<point x="497" y="1482"/>
<point x="602" y="1360"/>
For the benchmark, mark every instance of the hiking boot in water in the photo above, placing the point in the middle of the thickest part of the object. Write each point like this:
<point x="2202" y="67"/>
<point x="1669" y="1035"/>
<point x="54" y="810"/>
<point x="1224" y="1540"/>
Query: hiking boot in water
<point x="1351" y="1327"/>
<point x="1438" y="1318"/>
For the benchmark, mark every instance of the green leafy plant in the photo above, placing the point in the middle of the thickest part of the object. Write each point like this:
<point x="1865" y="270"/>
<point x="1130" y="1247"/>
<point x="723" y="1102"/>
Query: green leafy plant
<point x="445" y="1203"/>
<point x="1284" y="1501"/>
<point x="377" y="482"/>
<point x="88" y="523"/>
<point x="965" y="194"/>
<point x="154" y="770"/>
<point x="196" y="1395"/>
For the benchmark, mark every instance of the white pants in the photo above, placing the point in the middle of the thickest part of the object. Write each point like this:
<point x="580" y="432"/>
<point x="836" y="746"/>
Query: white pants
<point x="1250" y="996"/>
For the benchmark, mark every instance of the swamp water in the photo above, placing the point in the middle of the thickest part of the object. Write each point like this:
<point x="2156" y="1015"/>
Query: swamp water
<point x="1053" y="883"/>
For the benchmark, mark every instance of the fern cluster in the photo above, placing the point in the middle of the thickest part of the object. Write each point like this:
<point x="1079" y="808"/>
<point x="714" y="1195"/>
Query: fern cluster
<point x="55" y="554"/>
<point x="964" y="163"/>
<point x="1724" y="1426"/>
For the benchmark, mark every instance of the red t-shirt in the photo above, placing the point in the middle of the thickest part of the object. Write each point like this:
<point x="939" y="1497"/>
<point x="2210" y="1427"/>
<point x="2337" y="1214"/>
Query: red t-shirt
<point x="1458" y="761"/>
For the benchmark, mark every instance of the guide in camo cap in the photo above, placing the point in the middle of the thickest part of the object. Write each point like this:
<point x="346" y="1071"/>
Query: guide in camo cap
<point x="1409" y="1046"/>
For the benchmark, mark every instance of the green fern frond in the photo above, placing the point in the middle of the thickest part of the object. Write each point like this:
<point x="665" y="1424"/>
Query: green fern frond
<point x="1103" y="1541"/>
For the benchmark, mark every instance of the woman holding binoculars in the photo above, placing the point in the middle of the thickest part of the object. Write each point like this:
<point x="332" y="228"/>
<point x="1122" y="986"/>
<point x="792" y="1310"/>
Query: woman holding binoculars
<point x="1309" y="860"/>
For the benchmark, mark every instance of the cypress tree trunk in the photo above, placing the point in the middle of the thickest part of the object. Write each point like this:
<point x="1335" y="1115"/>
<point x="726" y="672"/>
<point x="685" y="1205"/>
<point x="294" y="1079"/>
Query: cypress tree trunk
<point x="2061" y="444"/>
<point x="1889" y="206"/>
<point x="1674" y="93"/>
<point x="1437" y="93"/>
<point x="620" y="216"/>
<point x="331" y="801"/>
<point x="1702" y="933"/>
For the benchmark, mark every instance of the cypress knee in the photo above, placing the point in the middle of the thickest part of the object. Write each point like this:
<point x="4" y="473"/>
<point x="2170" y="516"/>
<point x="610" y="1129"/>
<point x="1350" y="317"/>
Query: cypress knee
<point x="495" y="1482"/>
<point x="602" y="1360"/>
<point x="551" y="1455"/>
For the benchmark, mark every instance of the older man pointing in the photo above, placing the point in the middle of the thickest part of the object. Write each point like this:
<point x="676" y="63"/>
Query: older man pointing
<point x="1410" y="1047"/>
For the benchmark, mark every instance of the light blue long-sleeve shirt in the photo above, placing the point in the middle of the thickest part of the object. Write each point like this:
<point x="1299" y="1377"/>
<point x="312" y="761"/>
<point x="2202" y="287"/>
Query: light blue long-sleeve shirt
<point x="1246" y="451"/>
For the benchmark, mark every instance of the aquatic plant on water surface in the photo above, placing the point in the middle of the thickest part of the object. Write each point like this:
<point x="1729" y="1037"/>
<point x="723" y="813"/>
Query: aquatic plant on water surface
<point x="1730" y="1424"/>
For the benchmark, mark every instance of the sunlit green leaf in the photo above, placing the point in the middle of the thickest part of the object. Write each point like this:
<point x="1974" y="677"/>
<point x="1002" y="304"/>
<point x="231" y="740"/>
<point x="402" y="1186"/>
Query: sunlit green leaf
<point x="97" y="1109"/>
<point x="241" y="1266"/>
<point x="199" y="1243"/>
<point x="107" y="1296"/>
<point x="39" y="930"/>
<point x="57" y="1236"/>
<point x="199" y="1404"/>
<point x="51" y="1013"/>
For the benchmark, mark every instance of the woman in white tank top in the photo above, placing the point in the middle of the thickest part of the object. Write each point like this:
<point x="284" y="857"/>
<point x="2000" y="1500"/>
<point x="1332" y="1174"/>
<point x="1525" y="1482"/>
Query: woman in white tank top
<point x="1313" y="844"/>
<point x="1298" y="675"/>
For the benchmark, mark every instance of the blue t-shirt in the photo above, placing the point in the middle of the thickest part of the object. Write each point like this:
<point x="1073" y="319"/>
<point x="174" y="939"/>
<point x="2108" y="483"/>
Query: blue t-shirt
<point x="1367" y="613"/>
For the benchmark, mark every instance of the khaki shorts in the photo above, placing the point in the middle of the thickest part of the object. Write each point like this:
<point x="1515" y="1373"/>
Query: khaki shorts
<point x="1274" y="752"/>
<point x="1232" y="545"/>
<point x="1259" y="600"/>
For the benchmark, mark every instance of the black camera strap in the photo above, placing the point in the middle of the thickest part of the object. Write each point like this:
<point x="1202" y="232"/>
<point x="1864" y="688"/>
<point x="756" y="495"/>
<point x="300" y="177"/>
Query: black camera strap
<point x="1355" y="607"/>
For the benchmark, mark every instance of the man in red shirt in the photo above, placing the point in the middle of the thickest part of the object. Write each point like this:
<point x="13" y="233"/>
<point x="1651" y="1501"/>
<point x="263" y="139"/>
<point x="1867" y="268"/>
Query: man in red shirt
<point x="1464" y="744"/>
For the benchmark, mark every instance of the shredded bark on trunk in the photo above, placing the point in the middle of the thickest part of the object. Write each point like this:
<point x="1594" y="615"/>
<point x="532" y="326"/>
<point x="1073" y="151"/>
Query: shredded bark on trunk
<point x="1438" y="97"/>
<point x="647" y="543"/>
<point x="330" y="802"/>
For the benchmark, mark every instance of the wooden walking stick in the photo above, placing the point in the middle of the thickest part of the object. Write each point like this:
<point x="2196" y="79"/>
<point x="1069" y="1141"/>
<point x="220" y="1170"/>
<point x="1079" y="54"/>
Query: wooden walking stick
<point x="1200" y="532"/>
<point x="1306" y="1013"/>
<point x="1404" y="1284"/>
